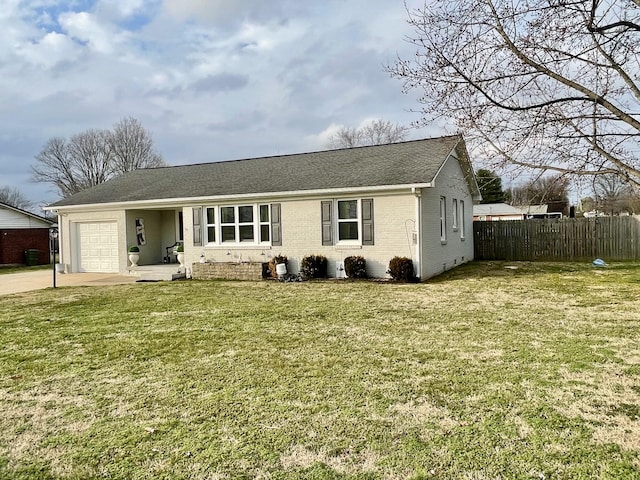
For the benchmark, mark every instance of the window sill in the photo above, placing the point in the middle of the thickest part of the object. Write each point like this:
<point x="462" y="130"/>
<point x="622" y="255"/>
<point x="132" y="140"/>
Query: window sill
<point x="238" y="246"/>
<point x="347" y="246"/>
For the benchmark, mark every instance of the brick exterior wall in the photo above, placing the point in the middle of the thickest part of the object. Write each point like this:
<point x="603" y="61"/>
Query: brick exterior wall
<point x="227" y="271"/>
<point x="14" y="242"/>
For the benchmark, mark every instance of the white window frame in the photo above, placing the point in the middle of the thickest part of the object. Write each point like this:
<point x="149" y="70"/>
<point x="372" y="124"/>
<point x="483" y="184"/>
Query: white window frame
<point x="454" y="215"/>
<point x="266" y="223"/>
<point x="214" y="225"/>
<point x="357" y="221"/>
<point x="256" y="225"/>
<point x="462" y="232"/>
<point x="443" y="219"/>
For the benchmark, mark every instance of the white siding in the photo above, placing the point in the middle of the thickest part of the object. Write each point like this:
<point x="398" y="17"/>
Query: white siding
<point x="438" y="256"/>
<point x="394" y="221"/>
<point x="69" y="246"/>
<point x="11" y="219"/>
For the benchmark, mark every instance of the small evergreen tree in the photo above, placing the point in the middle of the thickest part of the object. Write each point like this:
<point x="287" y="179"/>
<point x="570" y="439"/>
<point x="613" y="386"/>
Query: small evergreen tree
<point x="490" y="186"/>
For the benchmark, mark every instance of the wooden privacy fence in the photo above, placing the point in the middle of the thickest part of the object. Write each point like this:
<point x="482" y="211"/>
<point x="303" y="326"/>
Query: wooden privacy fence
<point x="609" y="238"/>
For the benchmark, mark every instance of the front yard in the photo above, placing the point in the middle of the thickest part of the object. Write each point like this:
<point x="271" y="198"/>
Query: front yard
<point x="530" y="372"/>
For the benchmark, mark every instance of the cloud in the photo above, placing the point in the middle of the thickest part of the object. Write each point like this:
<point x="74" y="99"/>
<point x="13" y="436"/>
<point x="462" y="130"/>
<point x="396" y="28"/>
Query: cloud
<point x="86" y="28"/>
<point x="220" y="83"/>
<point x="211" y="79"/>
<point x="225" y="14"/>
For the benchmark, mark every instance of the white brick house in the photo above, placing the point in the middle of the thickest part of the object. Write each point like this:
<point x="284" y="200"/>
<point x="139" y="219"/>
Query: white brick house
<point x="412" y="199"/>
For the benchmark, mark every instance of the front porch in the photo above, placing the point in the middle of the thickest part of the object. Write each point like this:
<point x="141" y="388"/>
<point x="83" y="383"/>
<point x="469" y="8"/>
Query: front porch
<point x="157" y="273"/>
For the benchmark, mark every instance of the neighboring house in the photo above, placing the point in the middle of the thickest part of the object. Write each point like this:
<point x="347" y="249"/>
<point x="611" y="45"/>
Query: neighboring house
<point x="501" y="211"/>
<point x="539" y="211"/>
<point x="411" y="199"/>
<point x="20" y="231"/>
<point x="496" y="211"/>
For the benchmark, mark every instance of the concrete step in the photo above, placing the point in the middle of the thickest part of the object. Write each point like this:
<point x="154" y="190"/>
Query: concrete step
<point x="160" y="276"/>
<point x="157" y="273"/>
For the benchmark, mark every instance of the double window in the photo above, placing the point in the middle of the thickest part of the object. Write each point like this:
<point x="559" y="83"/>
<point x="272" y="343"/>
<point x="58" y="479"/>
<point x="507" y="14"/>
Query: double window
<point x="239" y="224"/>
<point x="352" y="222"/>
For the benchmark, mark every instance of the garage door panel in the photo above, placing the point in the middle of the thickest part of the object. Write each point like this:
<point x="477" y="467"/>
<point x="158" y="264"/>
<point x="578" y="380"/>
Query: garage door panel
<point x="98" y="247"/>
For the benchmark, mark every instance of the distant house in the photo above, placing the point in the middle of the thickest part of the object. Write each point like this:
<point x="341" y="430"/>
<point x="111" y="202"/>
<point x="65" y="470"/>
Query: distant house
<point x="496" y="211"/>
<point x="20" y="231"/>
<point x="411" y="199"/>
<point x="501" y="211"/>
<point x="539" y="211"/>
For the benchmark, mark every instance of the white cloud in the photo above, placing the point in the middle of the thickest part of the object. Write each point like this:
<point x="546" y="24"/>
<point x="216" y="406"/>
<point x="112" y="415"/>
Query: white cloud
<point x="85" y="27"/>
<point x="53" y="48"/>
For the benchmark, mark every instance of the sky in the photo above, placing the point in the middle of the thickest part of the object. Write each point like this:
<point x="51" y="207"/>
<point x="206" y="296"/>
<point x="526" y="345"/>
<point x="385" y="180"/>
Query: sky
<point x="210" y="79"/>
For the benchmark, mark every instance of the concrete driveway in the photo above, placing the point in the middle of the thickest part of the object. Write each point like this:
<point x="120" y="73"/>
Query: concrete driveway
<point x="37" y="279"/>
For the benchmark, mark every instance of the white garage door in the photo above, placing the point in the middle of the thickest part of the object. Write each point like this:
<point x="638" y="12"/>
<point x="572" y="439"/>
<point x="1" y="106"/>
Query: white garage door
<point x="98" y="244"/>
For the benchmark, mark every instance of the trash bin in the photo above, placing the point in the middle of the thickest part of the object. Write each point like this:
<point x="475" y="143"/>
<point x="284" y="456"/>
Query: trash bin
<point x="32" y="257"/>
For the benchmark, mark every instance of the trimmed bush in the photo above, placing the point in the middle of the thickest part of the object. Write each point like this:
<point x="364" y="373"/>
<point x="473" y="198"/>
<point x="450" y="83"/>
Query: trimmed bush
<point x="275" y="261"/>
<point x="134" y="249"/>
<point x="401" y="269"/>
<point x="314" y="266"/>
<point x="355" y="267"/>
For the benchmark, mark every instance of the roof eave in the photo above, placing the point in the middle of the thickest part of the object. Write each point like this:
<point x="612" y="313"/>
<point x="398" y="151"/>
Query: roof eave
<point x="173" y="202"/>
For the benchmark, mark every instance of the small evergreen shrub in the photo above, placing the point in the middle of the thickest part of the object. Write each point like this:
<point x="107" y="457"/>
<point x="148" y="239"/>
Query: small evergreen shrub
<point x="401" y="269"/>
<point x="314" y="266"/>
<point x="355" y="267"/>
<point x="134" y="249"/>
<point x="275" y="261"/>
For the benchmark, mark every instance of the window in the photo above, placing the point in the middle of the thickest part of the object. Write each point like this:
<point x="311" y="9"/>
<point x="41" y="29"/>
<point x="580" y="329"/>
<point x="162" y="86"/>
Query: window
<point x="348" y="221"/>
<point x="265" y="223"/>
<point x="250" y="224"/>
<point x="443" y="219"/>
<point x="461" y="218"/>
<point x="454" y="215"/>
<point x="228" y="224"/>
<point x="211" y="225"/>
<point x="245" y="224"/>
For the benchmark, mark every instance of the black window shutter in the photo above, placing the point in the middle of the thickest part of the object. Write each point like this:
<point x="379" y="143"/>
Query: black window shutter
<point x="367" y="221"/>
<point x="197" y="226"/>
<point x="276" y="226"/>
<point x="327" y="223"/>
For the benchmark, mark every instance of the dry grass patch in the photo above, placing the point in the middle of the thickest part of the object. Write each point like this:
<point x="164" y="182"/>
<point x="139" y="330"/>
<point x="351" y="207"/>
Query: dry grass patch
<point x="485" y="372"/>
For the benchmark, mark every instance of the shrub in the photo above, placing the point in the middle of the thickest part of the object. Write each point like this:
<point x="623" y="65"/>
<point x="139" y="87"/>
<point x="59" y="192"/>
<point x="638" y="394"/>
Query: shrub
<point x="355" y="267"/>
<point x="314" y="266"/>
<point x="401" y="269"/>
<point x="275" y="261"/>
<point x="180" y="248"/>
<point x="134" y="249"/>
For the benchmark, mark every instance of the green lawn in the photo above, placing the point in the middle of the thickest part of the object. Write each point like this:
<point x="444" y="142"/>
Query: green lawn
<point x="487" y="372"/>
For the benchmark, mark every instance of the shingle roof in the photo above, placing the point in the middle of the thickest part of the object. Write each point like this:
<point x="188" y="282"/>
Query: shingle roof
<point x="404" y="163"/>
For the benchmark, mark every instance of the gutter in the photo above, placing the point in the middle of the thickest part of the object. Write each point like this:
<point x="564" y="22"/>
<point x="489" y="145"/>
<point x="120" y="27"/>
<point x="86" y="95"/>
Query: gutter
<point x="172" y="202"/>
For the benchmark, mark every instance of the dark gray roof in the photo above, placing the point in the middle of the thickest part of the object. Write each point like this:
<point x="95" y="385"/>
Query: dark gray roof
<point x="402" y="163"/>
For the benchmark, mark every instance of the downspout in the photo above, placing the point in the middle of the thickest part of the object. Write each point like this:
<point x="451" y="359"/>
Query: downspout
<point x="417" y="242"/>
<point x="60" y="243"/>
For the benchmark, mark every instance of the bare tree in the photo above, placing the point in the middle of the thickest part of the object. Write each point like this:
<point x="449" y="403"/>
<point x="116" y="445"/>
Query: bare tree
<point x="541" y="84"/>
<point x="612" y="196"/>
<point x="132" y="146"/>
<point x="71" y="166"/>
<point x="377" y="132"/>
<point x="550" y="190"/>
<point x="12" y="196"/>
<point x="94" y="156"/>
